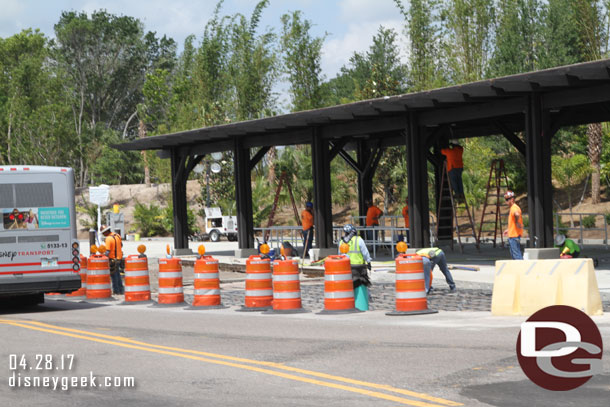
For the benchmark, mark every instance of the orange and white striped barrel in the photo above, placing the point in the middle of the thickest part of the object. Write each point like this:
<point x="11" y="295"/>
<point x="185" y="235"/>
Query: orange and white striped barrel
<point x="137" y="280"/>
<point x="170" y="282"/>
<point x="338" y="285"/>
<point x="207" y="283"/>
<point x="98" y="277"/>
<point x="286" y="286"/>
<point x="82" y="291"/>
<point x="259" y="289"/>
<point x="410" y="286"/>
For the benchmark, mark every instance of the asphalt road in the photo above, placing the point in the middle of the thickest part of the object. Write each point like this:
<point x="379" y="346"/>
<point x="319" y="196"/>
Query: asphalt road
<point x="226" y="358"/>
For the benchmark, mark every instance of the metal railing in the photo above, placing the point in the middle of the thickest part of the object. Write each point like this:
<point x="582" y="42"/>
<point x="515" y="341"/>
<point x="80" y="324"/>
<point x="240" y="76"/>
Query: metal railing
<point x="581" y="228"/>
<point x="384" y="221"/>
<point x="375" y="238"/>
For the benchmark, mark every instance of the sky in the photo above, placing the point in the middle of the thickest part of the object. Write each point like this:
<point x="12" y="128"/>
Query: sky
<point x="349" y="24"/>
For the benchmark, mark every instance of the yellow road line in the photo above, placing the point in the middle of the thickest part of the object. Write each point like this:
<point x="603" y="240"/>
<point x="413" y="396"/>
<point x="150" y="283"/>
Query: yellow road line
<point x="263" y="363"/>
<point x="129" y="343"/>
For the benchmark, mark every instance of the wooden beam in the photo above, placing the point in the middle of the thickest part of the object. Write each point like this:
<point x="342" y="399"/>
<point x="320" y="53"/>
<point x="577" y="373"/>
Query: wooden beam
<point x="510" y="136"/>
<point x="472" y="112"/>
<point x="258" y="156"/>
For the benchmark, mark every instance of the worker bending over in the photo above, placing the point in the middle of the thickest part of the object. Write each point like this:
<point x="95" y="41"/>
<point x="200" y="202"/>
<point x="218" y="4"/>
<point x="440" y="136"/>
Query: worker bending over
<point x="569" y="249"/>
<point x="432" y="257"/>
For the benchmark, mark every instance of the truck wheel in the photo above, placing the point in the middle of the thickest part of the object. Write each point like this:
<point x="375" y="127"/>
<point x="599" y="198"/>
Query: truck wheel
<point x="214" y="236"/>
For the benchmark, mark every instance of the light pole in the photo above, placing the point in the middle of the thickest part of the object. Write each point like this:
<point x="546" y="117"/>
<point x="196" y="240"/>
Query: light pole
<point x="207" y="184"/>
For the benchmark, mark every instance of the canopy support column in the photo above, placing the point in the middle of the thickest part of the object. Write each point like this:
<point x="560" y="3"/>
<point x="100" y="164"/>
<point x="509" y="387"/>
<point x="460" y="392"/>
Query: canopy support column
<point x="538" y="158"/>
<point x="417" y="174"/>
<point x="320" y="156"/>
<point x="181" y="167"/>
<point x="243" y="194"/>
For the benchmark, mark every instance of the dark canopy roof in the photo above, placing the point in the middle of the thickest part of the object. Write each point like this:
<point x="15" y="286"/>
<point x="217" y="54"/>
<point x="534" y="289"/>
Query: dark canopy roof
<point x="574" y="94"/>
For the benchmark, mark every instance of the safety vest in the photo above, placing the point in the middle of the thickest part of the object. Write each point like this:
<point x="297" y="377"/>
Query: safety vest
<point x="355" y="256"/>
<point x="426" y="252"/>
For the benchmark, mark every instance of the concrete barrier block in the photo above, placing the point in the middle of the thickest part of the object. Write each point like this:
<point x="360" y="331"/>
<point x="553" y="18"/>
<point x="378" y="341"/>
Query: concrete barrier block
<point x="244" y="253"/>
<point x="522" y="287"/>
<point x="544" y="253"/>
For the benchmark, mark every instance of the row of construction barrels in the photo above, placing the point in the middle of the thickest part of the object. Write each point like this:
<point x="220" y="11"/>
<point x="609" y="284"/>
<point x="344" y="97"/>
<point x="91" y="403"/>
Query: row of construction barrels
<point x="278" y="290"/>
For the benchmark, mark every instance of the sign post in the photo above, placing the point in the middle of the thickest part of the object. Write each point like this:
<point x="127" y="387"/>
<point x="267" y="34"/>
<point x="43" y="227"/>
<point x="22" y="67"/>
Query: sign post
<point x="101" y="197"/>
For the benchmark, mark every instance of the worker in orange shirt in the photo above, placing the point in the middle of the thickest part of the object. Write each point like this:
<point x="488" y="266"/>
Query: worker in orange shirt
<point x="405" y="214"/>
<point x="307" y="223"/>
<point x="114" y="251"/>
<point x="515" y="226"/>
<point x="455" y="167"/>
<point x="372" y="219"/>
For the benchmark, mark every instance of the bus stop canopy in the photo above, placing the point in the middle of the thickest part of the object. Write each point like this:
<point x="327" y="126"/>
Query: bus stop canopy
<point x="527" y="109"/>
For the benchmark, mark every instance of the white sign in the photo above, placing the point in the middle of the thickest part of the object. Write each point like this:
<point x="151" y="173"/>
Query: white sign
<point x="99" y="195"/>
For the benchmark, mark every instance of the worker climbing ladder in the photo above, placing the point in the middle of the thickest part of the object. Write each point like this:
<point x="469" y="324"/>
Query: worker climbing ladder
<point x="494" y="202"/>
<point x="283" y="179"/>
<point x="455" y="209"/>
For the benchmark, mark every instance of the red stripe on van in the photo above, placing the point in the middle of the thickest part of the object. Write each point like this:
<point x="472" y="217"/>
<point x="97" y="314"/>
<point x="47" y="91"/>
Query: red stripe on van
<point x="30" y="264"/>
<point x="37" y="271"/>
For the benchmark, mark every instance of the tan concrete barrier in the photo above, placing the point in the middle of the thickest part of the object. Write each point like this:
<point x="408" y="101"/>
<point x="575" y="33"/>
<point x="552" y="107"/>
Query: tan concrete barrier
<point x="522" y="287"/>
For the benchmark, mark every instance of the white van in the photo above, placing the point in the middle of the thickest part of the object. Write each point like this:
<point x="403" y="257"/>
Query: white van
<point x="39" y="250"/>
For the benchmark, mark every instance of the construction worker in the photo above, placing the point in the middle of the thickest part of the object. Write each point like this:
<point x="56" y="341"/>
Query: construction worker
<point x="307" y="223"/>
<point x="569" y="248"/>
<point x="455" y="167"/>
<point x="372" y="219"/>
<point x="431" y="257"/>
<point x="114" y="251"/>
<point x="515" y="226"/>
<point x="405" y="214"/>
<point x="360" y="261"/>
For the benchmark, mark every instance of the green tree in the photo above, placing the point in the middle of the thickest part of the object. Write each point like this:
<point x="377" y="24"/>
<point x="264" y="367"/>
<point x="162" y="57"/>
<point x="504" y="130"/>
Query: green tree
<point x="301" y="58"/>
<point x="468" y="34"/>
<point x="592" y="35"/>
<point x="518" y="38"/>
<point x="375" y="73"/>
<point x="568" y="172"/>
<point x="422" y="29"/>
<point x="102" y="60"/>
<point x="33" y="115"/>
<point x="253" y="66"/>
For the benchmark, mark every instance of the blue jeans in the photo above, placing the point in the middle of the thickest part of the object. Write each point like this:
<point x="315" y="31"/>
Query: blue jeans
<point x="307" y="238"/>
<point x="514" y="245"/>
<point x="455" y="176"/>
<point x="117" y="281"/>
<point x="441" y="261"/>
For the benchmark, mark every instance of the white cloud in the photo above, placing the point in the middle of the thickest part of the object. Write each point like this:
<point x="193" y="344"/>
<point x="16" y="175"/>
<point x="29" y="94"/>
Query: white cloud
<point x="10" y="17"/>
<point x="353" y="11"/>
<point x="358" y="38"/>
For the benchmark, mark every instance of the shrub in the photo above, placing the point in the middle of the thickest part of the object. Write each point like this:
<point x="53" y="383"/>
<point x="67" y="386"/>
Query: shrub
<point x="148" y="219"/>
<point x="588" y="221"/>
<point x="607" y="216"/>
<point x="167" y="220"/>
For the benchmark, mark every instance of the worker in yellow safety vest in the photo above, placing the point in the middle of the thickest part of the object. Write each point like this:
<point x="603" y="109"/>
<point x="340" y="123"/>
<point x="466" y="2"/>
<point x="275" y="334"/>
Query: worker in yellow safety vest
<point x="360" y="260"/>
<point x="431" y="257"/>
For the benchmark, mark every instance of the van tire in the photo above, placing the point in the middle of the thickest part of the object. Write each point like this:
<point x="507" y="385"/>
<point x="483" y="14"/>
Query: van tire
<point x="214" y="235"/>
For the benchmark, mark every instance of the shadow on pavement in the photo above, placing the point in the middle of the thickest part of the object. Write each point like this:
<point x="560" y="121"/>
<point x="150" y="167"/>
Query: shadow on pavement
<point x="525" y="394"/>
<point x="50" y="306"/>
